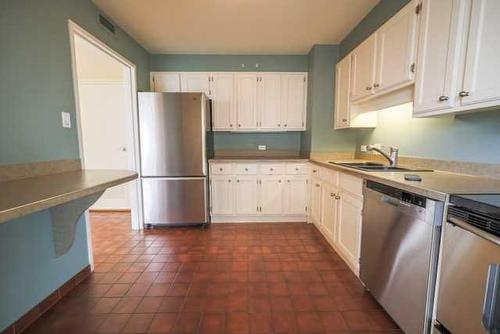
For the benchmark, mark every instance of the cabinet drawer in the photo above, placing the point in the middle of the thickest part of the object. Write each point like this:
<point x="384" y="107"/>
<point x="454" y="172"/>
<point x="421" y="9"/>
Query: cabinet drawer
<point x="222" y="169"/>
<point x="300" y="168"/>
<point x="272" y="169"/>
<point x="245" y="169"/>
<point x="352" y="184"/>
<point x="329" y="175"/>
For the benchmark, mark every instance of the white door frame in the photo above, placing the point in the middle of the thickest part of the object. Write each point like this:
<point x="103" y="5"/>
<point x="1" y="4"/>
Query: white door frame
<point x="136" y="192"/>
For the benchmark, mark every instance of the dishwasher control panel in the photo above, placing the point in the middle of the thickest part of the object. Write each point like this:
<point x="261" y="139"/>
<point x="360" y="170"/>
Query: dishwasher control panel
<point x="399" y="194"/>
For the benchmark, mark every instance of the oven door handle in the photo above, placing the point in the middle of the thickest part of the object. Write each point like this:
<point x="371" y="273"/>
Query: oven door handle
<point x="491" y="312"/>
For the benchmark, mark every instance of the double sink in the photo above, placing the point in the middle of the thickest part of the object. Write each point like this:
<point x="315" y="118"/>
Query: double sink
<point x="376" y="167"/>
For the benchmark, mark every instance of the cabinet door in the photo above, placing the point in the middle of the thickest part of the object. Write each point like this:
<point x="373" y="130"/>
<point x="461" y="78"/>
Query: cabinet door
<point x="328" y="210"/>
<point x="271" y="195"/>
<point x="166" y="82"/>
<point x="316" y="201"/>
<point x="293" y="101"/>
<point x="481" y="79"/>
<point x="396" y="48"/>
<point x="222" y="191"/>
<point x="269" y="101"/>
<point x="296" y="195"/>
<point x="437" y="74"/>
<point x="246" y="93"/>
<point x="349" y="227"/>
<point x="363" y="68"/>
<point x="221" y="88"/>
<point x="342" y="91"/>
<point x="246" y="195"/>
<point x="195" y="82"/>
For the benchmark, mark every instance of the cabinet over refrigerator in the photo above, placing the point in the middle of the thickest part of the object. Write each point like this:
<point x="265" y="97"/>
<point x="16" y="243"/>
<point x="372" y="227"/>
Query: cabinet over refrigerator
<point x="175" y="142"/>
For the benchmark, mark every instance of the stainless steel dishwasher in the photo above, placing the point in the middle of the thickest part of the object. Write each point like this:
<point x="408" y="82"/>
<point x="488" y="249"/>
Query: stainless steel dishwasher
<point x="399" y="250"/>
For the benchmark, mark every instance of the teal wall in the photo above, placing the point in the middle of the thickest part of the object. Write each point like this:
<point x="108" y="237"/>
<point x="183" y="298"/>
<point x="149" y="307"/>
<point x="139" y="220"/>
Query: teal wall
<point x="470" y="137"/>
<point x="36" y="85"/>
<point x="320" y="136"/>
<point x="289" y="141"/>
<point x="36" y="75"/>
<point x="233" y="63"/>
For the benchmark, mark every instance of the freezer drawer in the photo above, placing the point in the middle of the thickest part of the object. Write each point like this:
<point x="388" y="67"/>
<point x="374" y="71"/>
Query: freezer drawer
<point x="175" y="201"/>
<point x="468" y="263"/>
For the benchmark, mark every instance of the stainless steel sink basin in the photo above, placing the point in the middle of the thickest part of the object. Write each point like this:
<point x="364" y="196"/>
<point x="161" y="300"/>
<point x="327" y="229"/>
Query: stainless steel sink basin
<point x="376" y="167"/>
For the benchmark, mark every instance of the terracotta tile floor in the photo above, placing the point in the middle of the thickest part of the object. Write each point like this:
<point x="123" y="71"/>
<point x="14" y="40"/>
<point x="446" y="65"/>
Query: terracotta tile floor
<point x="229" y="278"/>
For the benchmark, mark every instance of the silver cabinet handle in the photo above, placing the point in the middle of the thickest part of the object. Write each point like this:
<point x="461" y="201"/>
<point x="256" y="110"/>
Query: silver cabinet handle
<point x="443" y="98"/>
<point x="229" y="181"/>
<point x="315" y="170"/>
<point x="221" y="169"/>
<point x="279" y="181"/>
<point x="463" y="93"/>
<point x="296" y="168"/>
<point x="332" y="195"/>
<point x="271" y="169"/>
<point x="285" y="125"/>
<point x="239" y="125"/>
<point x="246" y="169"/>
<point x="368" y="88"/>
<point x="279" y="125"/>
<point x="230" y="125"/>
<point x="490" y="320"/>
<point x="237" y="181"/>
<point x="288" y="181"/>
<point x="376" y="85"/>
<point x="337" y="197"/>
<point x="317" y="184"/>
<point x="344" y="120"/>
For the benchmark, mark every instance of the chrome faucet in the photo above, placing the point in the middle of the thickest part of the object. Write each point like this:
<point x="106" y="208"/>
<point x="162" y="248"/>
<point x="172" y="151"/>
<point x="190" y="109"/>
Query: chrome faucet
<point x="392" y="157"/>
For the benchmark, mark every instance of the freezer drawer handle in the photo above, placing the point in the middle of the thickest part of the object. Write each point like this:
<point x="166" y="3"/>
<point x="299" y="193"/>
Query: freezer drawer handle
<point x="491" y="313"/>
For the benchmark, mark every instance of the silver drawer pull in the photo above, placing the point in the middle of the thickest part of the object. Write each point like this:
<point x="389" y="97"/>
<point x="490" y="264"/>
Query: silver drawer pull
<point x="443" y="98"/>
<point x="221" y="169"/>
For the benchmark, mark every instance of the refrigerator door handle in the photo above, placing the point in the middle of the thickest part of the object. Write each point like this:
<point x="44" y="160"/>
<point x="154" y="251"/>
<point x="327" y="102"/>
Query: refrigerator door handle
<point x="491" y="316"/>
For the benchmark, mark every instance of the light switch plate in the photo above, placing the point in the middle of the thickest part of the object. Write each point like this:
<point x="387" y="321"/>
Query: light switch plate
<point x="262" y="147"/>
<point x="66" y="119"/>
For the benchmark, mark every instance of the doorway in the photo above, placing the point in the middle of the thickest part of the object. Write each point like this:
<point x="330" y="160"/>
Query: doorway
<point x="106" y="118"/>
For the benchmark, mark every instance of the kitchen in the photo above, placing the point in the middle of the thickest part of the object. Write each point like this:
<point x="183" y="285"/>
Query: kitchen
<point x="345" y="180"/>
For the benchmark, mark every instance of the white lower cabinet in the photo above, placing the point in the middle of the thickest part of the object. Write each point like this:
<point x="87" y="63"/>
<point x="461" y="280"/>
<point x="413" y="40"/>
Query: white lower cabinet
<point x="296" y="194"/>
<point x="222" y="194"/>
<point x="271" y="195"/>
<point x="246" y="195"/>
<point x="349" y="227"/>
<point x="259" y="191"/>
<point x="336" y="210"/>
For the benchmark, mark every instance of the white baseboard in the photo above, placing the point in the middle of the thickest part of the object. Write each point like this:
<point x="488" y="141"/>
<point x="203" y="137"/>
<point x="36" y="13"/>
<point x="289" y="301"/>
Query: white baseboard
<point x="259" y="219"/>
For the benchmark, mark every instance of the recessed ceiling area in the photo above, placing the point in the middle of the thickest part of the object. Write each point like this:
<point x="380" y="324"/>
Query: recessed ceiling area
<point x="235" y="26"/>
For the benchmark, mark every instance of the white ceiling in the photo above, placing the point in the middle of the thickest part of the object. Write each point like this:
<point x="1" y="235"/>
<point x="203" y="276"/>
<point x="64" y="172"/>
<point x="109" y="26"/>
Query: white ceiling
<point x="236" y="26"/>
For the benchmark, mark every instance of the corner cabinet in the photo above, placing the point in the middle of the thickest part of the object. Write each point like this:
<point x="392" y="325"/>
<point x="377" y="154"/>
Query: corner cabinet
<point x="459" y="58"/>
<point x="245" y="101"/>
<point x="254" y="191"/>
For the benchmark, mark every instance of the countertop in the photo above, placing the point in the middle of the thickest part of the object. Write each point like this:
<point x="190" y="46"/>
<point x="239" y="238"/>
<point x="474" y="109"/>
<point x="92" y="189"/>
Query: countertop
<point x="436" y="185"/>
<point x="24" y="196"/>
<point x="258" y="158"/>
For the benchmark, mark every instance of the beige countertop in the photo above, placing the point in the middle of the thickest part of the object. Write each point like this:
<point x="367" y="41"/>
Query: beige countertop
<point x="24" y="196"/>
<point x="436" y="185"/>
<point x="258" y="158"/>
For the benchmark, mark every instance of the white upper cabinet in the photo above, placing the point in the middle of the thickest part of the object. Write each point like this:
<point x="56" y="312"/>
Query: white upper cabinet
<point x="246" y="101"/>
<point x="342" y="91"/>
<point x="458" y="57"/>
<point x="195" y="82"/>
<point x="441" y="31"/>
<point x="396" y="50"/>
<point x="246" y="195"/>
<point x="293" y="101"/>
<point x="166" y="82"/>
<point x="222" y="90"/>
<point x="481" y="79"/>
<point x="363" y="68"/>
<point x="269" y="101"/>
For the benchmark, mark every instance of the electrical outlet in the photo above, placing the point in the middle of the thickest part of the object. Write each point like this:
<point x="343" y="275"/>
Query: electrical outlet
<point x="66" y="119"/>
<point x="364" y="148"/>
<point x="262" y="147"/>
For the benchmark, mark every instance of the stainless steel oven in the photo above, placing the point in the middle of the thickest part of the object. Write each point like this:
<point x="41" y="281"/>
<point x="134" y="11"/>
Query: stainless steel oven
<point x="469" y="291"/>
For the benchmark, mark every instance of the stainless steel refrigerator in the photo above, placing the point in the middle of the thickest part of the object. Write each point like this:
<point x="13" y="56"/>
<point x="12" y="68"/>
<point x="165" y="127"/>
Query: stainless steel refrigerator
<point x="175" y="143"/>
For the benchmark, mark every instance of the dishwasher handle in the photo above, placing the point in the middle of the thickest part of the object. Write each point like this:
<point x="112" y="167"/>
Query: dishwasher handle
<point x="491" y="311"/>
